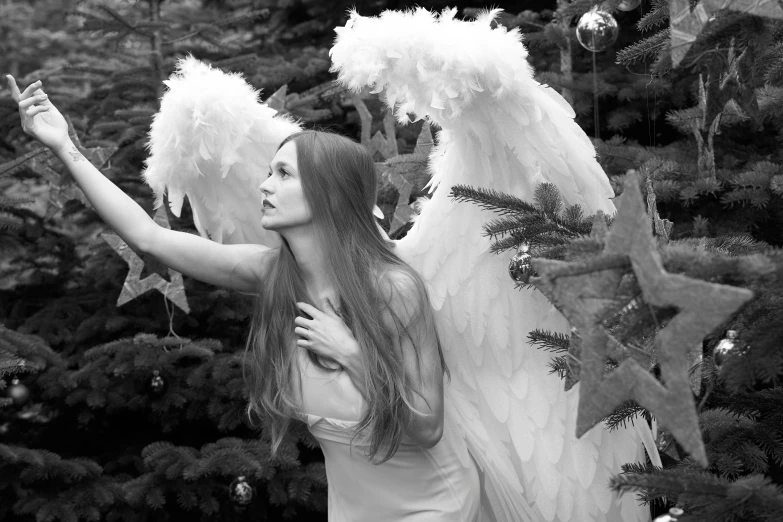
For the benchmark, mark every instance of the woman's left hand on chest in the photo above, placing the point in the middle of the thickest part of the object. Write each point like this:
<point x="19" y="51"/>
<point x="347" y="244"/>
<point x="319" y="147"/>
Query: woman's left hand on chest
<point x="325" y="334"/>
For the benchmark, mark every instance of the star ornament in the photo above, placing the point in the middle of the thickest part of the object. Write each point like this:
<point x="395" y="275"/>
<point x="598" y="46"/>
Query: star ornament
<point x="63" y="187"/>
<point x="398" y="169"/>
<point x="687" y="24"/>
<point x="133" y="287"/>
<point x="583" y="292"/>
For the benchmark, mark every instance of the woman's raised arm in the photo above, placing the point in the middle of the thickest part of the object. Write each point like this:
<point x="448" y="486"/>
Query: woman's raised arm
<point x="233" y="266"/>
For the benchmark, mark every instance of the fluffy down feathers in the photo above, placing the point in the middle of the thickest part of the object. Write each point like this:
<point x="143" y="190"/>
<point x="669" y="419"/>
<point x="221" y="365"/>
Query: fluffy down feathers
<point x="213" y="141"/>
<point x="467" y="77"/>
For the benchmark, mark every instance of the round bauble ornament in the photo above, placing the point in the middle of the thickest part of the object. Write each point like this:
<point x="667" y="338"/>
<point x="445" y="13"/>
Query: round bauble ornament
<point x="672" y="516"/>
<point x="629" y="5"/>
<point x="597" y="30"/>
<point x="520" y="268"/>
<point x="157" y="385"/>
<point x="18" y="393"/>
<point x="726" y="348"/>
<point x="241" y="491"/>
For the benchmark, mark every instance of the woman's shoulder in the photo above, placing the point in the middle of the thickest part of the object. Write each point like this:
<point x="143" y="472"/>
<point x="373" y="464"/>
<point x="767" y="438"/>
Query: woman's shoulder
<point x="402" y="293"/>
<point x="394" y="279"/>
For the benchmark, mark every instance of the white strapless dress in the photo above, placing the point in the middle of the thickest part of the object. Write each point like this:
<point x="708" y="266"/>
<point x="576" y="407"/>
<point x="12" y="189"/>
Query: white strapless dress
<point x="415" y="485"/>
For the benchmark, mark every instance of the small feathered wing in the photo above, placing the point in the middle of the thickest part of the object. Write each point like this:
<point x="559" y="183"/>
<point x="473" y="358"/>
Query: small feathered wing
<point x="212" y="141"/>
<point x="504" y="131"/>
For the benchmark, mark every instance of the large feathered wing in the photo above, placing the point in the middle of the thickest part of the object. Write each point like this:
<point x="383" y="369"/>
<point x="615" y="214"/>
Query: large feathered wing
<point x="213" y="140"/>
<point x="504" y="131"/>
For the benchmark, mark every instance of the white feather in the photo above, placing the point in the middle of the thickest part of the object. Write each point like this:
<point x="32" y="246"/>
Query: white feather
<point x="500" y="129"/>
<point x="223" y="142"/>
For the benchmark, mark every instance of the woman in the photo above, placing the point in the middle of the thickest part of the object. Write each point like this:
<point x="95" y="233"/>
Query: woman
<point x="343" y="334"/>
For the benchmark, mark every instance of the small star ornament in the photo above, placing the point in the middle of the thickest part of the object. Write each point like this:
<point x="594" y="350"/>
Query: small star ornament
<point x="133" y="287"/>
<point x="584" y="291"/>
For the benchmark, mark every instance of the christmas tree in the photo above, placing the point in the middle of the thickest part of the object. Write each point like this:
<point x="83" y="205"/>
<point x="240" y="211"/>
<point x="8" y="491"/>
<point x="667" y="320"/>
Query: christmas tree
<point x="721" y="198"/>
<point x="124" y="393"/>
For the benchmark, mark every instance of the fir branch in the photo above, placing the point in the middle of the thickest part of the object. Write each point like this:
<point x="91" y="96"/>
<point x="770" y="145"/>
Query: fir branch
<point x="666" y="190"/>
<point x="490" y="199"/>
<point x="502" y="226"/>
<point x="757" y="198"/>
<point x="547" y="198"/>
<point x="626" y="412"/>
<point x="770" y="440"/>
<point x="559" y="365"/>
<point x="574" y="218"/>
<point x="10" y="202"/>
<point x="668" y="482"/>
<point x="504" y="244"/>
<point x="10" y="363"/>
<point x="9" y="224"/>
<point x="651" y="47"/>
<point x="544" y="340"/>
<point x="753" y="458"/>
<point x="657" y="16"/>
<point x="537" y="243"/>
<point x="640" y="468"/>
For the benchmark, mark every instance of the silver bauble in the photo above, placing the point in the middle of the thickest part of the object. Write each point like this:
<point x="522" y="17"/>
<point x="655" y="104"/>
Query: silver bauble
<point x="629" y="5"/>
<point x="157" y="385"/>
<point x="18" y="393"/>
<point x="241" y="491"/>
<point x="597" y="30"/>
<point x="520" y="268"/>
<point x="725" y="348"/>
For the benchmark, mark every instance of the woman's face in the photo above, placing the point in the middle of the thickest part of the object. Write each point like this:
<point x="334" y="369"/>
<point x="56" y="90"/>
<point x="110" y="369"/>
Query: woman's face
<point x="283" y="190"/>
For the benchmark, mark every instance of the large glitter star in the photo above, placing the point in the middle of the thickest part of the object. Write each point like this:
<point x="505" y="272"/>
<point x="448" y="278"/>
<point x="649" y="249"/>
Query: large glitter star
<point x="583" y="292"/>
<point x="687" y="24"/>
<point x="133" y="286"/>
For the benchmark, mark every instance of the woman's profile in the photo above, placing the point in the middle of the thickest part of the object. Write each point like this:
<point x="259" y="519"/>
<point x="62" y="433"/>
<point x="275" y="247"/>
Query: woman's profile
<point x="407" y="359"/>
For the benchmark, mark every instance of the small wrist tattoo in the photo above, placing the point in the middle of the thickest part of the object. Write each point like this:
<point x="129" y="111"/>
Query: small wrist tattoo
<point x="75" y="154"/>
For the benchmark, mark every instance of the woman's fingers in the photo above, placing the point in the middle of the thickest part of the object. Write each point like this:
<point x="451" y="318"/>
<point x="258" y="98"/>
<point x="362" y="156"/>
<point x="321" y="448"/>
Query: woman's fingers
<point x="24" y="104"/>
<point x="304" y="332"/>
<point x="15" y="94"/>
<point x="28" y="92"/>
<point x="31" y="89"/>
<point x="28" y="106"/>
<point x="308" y="309"/>
<point x="32" y="111"/>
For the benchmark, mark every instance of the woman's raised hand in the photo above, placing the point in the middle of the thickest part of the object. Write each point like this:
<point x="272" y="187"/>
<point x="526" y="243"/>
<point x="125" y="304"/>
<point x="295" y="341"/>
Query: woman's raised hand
<point x="40" y="118"/>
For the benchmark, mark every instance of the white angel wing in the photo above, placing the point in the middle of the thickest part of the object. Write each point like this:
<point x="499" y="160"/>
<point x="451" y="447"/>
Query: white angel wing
<point x="501" y="130"/>
<point x="213" y="141"/>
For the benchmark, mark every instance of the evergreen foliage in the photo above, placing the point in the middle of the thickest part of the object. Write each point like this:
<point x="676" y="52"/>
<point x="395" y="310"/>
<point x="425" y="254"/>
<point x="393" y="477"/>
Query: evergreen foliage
<point x="94" y="442"/>
<point x="738" y="401"/>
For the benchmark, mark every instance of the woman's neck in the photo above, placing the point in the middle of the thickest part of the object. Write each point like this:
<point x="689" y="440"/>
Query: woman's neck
<point x="311" y="259"/>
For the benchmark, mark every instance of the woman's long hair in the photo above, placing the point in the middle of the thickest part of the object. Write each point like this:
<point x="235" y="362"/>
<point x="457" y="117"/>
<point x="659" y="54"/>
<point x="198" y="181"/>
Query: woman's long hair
<point x="339" y="183"/>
